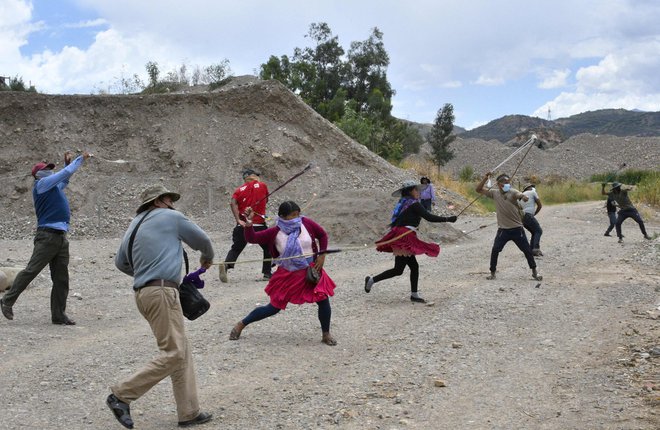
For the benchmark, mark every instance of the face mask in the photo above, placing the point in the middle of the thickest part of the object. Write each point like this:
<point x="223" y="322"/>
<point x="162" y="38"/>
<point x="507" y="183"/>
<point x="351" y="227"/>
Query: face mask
<point x="506" y="187"/>
<point x="43" y="173"/>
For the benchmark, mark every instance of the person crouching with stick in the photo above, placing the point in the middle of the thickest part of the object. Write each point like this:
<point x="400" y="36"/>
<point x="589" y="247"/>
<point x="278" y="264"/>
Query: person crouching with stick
<point x="402" y="239"/>
<point x="299" y="243"/>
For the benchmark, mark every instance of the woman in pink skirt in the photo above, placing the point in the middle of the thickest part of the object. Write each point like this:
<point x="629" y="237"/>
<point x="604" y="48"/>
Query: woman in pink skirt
<point x="402" y="239"/>
<point x="293" y="236"/>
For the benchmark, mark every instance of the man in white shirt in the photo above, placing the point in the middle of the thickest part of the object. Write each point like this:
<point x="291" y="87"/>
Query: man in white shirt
<point x="530" y="208"/>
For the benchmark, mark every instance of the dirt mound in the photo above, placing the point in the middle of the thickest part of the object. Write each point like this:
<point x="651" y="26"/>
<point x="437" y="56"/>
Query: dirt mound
<point x="197" y="144"/>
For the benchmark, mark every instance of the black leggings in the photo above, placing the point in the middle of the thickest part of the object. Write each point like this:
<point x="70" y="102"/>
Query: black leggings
<point x="262" y="312"/>
<point x="400" y="264"/>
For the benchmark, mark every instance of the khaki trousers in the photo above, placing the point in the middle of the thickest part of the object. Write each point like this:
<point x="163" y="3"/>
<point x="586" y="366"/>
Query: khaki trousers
<point x="161" y="308"/>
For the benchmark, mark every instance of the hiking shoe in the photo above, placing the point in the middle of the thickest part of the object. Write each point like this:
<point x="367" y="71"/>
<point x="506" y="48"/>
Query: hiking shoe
<point x="620" y="240"/>
<point x="368" y="283"/>
<point x="6" y="310"/>
<point x="222" y="273"/>
<point x="536" y="275"/>
<point x="121" y="411"/>
<point x="491" y="276"/>
<point x="202" y="418"/>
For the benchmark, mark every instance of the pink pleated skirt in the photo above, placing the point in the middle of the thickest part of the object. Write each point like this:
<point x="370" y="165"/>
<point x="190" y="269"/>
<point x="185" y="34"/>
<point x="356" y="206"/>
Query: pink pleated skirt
<point x="287" y="287"/>
<point x="407" y="245"/>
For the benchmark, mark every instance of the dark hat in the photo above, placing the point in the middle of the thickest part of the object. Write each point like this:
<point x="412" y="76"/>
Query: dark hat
<point x="425" y="177"/>
<point x="528" y="185"/>
<point x="152" y="193"/>
<point x="41" y="166"/>
<point x="616" y="185"/>
<point x="409" y="184"/>
<point x="248" y="172"/>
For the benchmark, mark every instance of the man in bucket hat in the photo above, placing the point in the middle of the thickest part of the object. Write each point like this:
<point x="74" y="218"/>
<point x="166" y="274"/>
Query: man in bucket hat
<point x="51" y="246"/>
<point x="619" y="193"/>
<point x="252" y="194"/>
<point x="154" y="261"/>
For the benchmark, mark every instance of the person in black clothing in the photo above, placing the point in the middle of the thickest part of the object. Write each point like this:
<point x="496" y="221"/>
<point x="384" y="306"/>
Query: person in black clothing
<point x="611" y="214"/>
<point x="402" y="239"/>
<point x="619" y="193"/>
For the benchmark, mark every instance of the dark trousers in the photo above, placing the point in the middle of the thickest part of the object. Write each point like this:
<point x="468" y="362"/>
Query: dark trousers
<point x="262" y="312"/>
<point x="629" y="213"/>
<point x="427" y="204"/>
<point x="534" y="228"/>
<point x="239" y="244"/>
<point x="612" y="217"/>
<point x="517" y="235"/>
<point x="50" y="249"/>
<point x="400" y="264"/>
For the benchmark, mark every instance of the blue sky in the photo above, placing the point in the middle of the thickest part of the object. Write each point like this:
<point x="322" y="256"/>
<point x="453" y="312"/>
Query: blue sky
<point x="488" y="58"/>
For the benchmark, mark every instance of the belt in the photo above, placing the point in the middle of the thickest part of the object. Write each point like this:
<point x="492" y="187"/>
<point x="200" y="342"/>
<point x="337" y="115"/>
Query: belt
<point x="51" y="230"/>
<point x="161" y="283"/>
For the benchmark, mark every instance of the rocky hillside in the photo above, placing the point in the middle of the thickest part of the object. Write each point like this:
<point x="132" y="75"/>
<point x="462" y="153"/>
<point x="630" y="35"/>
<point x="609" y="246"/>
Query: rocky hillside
<point x="613" y="122"/>
<point x="196" y="144"/>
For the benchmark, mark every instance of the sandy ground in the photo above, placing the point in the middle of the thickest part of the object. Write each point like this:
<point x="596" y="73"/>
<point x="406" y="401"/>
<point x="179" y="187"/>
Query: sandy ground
<point x="579" y="351"/>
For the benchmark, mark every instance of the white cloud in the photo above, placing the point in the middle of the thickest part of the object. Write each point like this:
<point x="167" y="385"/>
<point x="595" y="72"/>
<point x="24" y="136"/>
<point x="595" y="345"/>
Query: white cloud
<point x="87" y="23"/>
<point x="489" y="81"/>
<point x="555" y="79"/>
<point x="627" y="78"/>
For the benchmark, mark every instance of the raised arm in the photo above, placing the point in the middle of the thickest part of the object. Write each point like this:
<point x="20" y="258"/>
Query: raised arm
<point x="480" y="187"/>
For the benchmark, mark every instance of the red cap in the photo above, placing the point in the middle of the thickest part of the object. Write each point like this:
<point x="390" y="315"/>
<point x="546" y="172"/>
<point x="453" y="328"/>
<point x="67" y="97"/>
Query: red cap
<point x="41" y="166"/>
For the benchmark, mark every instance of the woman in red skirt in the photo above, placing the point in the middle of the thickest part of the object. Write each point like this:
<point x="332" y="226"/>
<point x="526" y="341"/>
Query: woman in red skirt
<point x="402" y="239"/>
<point x="294" y="235"/>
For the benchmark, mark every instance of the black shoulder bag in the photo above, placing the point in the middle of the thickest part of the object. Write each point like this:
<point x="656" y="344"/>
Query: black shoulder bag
<point x="193" y="304"/>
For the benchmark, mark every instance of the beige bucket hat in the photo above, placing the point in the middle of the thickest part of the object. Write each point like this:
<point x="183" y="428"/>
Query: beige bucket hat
<point x="152" y="193"/>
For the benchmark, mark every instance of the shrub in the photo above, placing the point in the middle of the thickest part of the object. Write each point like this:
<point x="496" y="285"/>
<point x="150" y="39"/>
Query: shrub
<point x="466" y="174"/>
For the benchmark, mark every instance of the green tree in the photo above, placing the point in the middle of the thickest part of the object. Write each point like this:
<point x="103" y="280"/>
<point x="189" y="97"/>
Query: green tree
<point x="441" y="134"/>
<point x="152" y="71"/>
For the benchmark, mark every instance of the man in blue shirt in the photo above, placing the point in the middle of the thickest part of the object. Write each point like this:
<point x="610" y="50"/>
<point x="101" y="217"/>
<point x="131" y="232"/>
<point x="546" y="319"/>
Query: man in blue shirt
<point x="51" y="246"/>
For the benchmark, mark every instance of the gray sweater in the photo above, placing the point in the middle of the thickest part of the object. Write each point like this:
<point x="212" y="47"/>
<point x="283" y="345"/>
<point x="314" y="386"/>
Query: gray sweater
<point x="157" y="248"/>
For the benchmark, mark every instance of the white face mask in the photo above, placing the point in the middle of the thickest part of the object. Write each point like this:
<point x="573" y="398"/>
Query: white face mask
<point x="506" y="187"/>
<point x="43" y="173"/>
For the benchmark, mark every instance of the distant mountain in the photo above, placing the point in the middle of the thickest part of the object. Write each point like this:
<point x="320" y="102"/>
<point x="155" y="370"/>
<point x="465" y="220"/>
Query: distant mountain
<point x="615" y="122"/>
<point x="425" y="128"/>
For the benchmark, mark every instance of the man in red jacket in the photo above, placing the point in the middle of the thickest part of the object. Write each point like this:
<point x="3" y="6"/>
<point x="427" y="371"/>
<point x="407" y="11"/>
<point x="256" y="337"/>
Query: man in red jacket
<point x="251" y="194"/>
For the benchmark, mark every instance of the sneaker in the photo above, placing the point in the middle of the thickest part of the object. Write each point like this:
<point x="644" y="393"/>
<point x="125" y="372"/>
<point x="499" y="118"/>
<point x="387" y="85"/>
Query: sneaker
<point x="121" y="411"/>
<point x="536" y="275"/>
<point x="620" y="240"/>
<point x="6" y="310"/>
<point x="647" y="237"/>
<point x="202" y="418"/>
<point x="267" y="276"/>
<point x="537" y="253"/>
<point x="607" y="234"/>
<point x="368" y="283"/>
<point x="491" y="276"/>
<point x="222" y="269"/>
<point x="417" y="299"/>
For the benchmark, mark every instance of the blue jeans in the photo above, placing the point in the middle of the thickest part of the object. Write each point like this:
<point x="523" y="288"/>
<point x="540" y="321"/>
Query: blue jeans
<point x="612" y="217"/>
<point x="533" y="226"/>
<point x="517" y="235"/>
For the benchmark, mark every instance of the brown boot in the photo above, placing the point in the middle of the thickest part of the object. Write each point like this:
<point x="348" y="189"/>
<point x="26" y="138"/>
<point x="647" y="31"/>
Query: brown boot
<point x="236" y="331"/>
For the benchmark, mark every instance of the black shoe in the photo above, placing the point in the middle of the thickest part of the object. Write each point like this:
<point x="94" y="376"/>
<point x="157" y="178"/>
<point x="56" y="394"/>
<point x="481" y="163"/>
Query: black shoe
<point x="202" y="418"/>
<point x="6" y="310"/>
<point x="267" y="276"/>
<point x="121" y="411"/>
<point x="417" y="299"/>
<point x="65" y="321"/>
<point x="607" y="234"/>
<point x="368" y="283"/>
